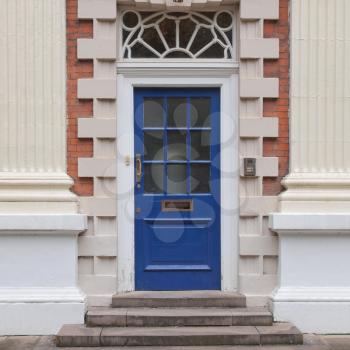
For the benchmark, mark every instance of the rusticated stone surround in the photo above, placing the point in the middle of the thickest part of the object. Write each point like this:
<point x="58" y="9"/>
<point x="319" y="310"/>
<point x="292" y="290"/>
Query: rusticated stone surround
<point x="92" y="138"/>
<point x="92" y="130"/>
<point x="258" y="245"/>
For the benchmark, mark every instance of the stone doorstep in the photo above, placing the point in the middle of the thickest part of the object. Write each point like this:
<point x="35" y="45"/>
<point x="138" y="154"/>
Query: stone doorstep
<point x="182" y="336"/>
<point x="280" y="333"/>
<point x="47" y="343"/>
<point x="179" y="299"/>
<point x="222" y="347"/>
<point x="79" y="335"/>
<point x="167" y="317"/>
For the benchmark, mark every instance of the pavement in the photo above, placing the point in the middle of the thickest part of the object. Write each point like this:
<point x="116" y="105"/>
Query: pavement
<point x="312" y="342"/>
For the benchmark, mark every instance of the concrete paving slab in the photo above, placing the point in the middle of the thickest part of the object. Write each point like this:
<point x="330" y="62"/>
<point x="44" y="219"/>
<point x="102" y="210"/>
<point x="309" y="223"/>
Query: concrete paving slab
<point x="314" y="339"/>
<point x="46" y="343"/>
<point x="337" y="342"/>
<point x="18" y="342"/>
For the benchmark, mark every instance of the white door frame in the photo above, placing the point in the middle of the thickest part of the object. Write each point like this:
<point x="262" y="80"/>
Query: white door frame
<point x="224" y="76"/>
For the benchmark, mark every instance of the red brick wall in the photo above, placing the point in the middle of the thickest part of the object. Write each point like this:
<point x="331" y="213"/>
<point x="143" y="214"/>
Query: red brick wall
<point x="77" y="108"/>
<point x="278" y="107"/>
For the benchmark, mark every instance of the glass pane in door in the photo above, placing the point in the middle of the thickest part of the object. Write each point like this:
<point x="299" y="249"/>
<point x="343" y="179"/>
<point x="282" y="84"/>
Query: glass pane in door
<point x="200" y="177"/>
<point x="200" y="111"/>
<point x="153" y="178"/>
<point x="177" y="175"/>
<point x="153" y="112"/>
<point x="177" y="145"/>
<point x="153" y="145"/>
<point x="177" y="112"/>
<point x="200" y="145"/>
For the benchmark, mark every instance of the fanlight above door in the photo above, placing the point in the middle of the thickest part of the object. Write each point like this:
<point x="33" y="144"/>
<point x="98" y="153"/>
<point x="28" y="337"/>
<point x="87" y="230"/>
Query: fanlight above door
<point x="193" y="35"/>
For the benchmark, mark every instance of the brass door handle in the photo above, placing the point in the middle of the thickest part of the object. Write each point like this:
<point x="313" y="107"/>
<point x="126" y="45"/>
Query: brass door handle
<point x="138" y="168"/>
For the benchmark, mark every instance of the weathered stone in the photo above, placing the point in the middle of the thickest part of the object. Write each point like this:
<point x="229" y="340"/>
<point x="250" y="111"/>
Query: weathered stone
<point x="251" y="317"/>
<point x="165" y="317"/>
<point x="179" y="336"/>
<point x="47" y="343"/>
<point x="78" y="335"/>
<point x="18" y="342"/>
<point x="106" y="317"/>
<point x="280" y="333"/>
<point x="179" y="299"/>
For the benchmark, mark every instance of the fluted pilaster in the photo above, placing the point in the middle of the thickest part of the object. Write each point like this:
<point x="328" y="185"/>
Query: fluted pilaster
<point x="320" y="107"/>
<point x="32" y="107"/>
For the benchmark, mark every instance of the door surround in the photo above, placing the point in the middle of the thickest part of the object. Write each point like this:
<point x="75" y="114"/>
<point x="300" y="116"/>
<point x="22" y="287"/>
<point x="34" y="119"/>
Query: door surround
<point x="224" y="76"/>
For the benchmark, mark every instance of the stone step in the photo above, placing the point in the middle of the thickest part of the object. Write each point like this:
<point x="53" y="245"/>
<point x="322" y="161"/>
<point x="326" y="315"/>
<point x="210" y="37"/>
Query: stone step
<point x="179" y="299"/>
<point x="221" y="347"/>
<point x="167" y="317"/>
<point x="79" y="335"/>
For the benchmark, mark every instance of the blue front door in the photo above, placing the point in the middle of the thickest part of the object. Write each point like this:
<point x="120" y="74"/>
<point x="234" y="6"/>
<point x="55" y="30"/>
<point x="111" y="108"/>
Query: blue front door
<point x="177" y="188"/>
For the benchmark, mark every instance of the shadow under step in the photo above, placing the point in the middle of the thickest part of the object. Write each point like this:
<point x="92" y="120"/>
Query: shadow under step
<point x="179" y="299"/>
<point x="177" y="317"/>
<point x="79" y="335"/>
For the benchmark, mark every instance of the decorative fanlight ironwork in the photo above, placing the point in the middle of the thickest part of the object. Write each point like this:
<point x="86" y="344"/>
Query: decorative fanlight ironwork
<point x="177" y="34"/>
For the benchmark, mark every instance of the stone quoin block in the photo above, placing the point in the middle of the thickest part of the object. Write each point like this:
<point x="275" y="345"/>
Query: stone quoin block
<point x="99" y="9"/>
<point x="259" y="9"/>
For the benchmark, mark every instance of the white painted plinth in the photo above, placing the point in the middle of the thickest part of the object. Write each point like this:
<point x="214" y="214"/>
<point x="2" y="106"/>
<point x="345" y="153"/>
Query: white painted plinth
<point x="38" y="269"/>
<point x="314" y="275"/>
<point x="313" y="316"/>
<point x="43" y="315"/>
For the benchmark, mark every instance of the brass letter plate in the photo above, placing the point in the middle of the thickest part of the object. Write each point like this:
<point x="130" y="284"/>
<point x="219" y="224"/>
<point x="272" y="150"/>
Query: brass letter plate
<point x="177" y="205"/>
